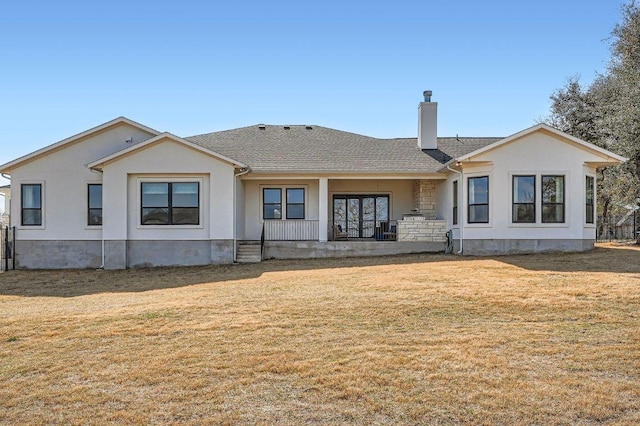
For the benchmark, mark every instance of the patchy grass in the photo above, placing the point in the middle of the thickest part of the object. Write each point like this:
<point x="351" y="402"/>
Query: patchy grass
<point x="429" y="339"/>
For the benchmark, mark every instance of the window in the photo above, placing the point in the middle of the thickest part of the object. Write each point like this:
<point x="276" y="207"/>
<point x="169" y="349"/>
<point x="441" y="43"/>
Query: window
<point x="272" y="203"/>
<point x="524" y="199"/>
<point x="478" y="199"/>
<point x="31" y="204"/>
<point x="295" y="203"/>
<point x="94" y="214"/>
<point x="590" y="199"/>
<point x="170" y="203"/>
<point x="552" y="199"/>
<point x="455" y="202"/>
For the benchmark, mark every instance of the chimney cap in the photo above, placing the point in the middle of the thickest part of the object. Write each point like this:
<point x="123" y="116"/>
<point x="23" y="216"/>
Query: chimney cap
<point x="427" y="95"/>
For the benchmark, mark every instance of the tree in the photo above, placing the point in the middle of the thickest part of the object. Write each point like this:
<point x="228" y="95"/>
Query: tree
<point x="607" y="113"/>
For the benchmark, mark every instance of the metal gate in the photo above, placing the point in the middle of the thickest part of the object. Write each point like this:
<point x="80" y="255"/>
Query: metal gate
<point x="7" y="248"/>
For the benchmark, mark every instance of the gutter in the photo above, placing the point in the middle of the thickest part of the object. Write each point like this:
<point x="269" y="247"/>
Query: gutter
<point x="461" y="173"/>
<point x="243" y="171"/>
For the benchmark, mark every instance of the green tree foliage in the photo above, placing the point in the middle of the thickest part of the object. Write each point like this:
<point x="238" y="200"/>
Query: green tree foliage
<point x="607" y="113"/>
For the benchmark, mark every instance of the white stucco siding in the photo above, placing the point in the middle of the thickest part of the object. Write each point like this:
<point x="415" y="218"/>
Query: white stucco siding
<point x="253" y="202"/>
<point x="535" y="154"/>
<point x="168" y="161"/>
<point x="64" y="178"/>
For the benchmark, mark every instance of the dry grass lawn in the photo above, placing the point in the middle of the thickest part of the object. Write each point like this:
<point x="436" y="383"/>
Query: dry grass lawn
<point x="421" y="339"/>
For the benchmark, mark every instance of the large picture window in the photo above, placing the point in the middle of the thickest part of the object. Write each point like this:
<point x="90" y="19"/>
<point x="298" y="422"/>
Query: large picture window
<point x="272" y="203"/>
<point x="455" y="202"/>
<point x="31" y="196"/>
<point x="552" y="199"/>
<point x="590" y="199"/>
<point x="295" y="203"/>
<point x="170" y="203"/>
<point x="94" y="203"/>
<point x="524" y="199"/>
<point x="478" y="199"/>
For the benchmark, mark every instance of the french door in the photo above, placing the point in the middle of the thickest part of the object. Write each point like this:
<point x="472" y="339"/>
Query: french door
<point x="360" y="215"/>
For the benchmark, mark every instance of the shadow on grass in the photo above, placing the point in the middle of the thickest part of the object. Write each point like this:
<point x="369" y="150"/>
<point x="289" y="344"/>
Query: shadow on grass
<point x="72" y="283"/>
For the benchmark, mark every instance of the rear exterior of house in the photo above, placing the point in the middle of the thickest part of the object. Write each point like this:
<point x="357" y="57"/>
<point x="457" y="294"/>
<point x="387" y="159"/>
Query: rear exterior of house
<point x="124" y="195"/>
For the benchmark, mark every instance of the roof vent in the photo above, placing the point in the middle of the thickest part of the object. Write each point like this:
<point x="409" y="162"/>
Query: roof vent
<point x="262" y="126"/>
<point x="308" y="127"/>
<point x="427" y="95"/>
<point x="287" y="127"/>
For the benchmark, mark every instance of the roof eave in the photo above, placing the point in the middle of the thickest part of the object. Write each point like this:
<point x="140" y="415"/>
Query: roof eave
<point x="101" y="162"/>
<point x="7" y="167"/>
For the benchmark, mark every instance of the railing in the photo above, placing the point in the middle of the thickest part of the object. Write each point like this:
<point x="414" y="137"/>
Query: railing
<point x="7" y="248"/>
<point x="262" y="242"/>
<point x="291" y="230"/>
<point x="379" y="230"/>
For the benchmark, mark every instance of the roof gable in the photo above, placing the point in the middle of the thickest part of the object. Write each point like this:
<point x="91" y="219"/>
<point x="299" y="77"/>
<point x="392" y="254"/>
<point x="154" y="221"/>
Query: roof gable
<point x="162" y="137"/>
<point x="605" y="157"/>
<point x="7" y="167"/>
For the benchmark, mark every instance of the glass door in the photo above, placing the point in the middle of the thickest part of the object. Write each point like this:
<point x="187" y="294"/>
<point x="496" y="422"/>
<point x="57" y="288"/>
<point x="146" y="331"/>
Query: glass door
<point x="360" y="215"/>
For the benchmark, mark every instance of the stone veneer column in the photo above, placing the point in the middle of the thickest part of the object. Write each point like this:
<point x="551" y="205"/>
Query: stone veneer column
<point x="424" y="198"/>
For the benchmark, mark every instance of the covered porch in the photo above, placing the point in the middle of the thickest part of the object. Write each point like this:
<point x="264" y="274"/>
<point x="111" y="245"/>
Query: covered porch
<point x="325" y="217"/>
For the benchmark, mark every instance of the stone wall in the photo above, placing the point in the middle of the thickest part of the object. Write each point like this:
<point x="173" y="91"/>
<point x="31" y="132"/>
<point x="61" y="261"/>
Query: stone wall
<point x="421" y="229"/>
<point x="424" y="198"/>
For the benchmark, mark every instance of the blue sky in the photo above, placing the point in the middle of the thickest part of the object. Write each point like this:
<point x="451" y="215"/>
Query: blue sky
<point x="193" y="67"/>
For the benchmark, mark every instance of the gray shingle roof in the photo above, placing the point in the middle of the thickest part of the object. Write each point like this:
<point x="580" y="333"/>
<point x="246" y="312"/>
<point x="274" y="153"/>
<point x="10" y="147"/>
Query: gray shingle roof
<point x="270" y="148"/>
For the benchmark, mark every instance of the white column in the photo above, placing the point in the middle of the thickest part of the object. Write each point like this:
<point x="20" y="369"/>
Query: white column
<point x="323" y="205"/>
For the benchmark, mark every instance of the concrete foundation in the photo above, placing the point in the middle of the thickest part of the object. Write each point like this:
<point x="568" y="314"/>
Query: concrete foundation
<point x="120" y="254"/>
<point x="115" y="254"/>
<point x="315" y="249"/>
<point x="147" y="253"/>
<point x="502" y="247"/>
<point x="54" y="254"/>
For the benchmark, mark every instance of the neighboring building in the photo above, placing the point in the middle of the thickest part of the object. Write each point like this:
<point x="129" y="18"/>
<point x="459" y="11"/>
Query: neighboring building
<point x="125" y="195"/>
<point x="5" y="191"/>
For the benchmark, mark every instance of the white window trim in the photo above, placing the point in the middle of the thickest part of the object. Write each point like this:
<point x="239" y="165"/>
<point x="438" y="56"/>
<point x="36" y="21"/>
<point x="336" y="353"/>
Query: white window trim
<point x="465" y="215"/>
<point x="86" y="209"/>
<point x="43" y="204"/>
<point x="595" y="201"/>
<point x="538" y="223"/>
<point x="567" y="199"/>
<point x="457" y="225"/>
<point x="283" y="200"/>
<point x="170" y="179"/>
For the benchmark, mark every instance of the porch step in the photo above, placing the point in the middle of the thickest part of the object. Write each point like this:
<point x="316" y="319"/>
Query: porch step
<point x="248" y="252"/>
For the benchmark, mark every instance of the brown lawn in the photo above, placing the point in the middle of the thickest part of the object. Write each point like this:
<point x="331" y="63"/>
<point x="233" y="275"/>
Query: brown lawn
<point x="421" y="339"/>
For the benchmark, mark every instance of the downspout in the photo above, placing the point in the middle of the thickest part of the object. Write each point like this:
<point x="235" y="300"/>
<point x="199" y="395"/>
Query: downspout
<point x="461" y="173"/>
<point x="101" y="230"/>
<point x="243" y="171"/>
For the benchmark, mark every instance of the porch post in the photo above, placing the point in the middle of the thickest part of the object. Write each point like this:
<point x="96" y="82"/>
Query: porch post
<point x="323" y="206"/>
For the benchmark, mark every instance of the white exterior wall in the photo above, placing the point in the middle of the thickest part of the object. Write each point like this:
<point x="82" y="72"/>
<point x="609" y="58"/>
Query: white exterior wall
<point x="253" y="202"/>
<point x="167" y="161"/>
<point x="64" y="178"/>
<point x="535" y="154"/>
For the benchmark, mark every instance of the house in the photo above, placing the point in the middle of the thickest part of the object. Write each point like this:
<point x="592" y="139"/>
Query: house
<point x="5" y="191"/>
<point x="125" y="195"/>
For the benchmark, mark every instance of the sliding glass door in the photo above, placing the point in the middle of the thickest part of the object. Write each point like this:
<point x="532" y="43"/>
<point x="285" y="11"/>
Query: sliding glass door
<point x="360" y="215"/>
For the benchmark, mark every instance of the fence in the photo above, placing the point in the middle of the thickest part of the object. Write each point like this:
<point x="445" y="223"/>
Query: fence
<point x="618" y="228"/>
<point x="7" y="248"/>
